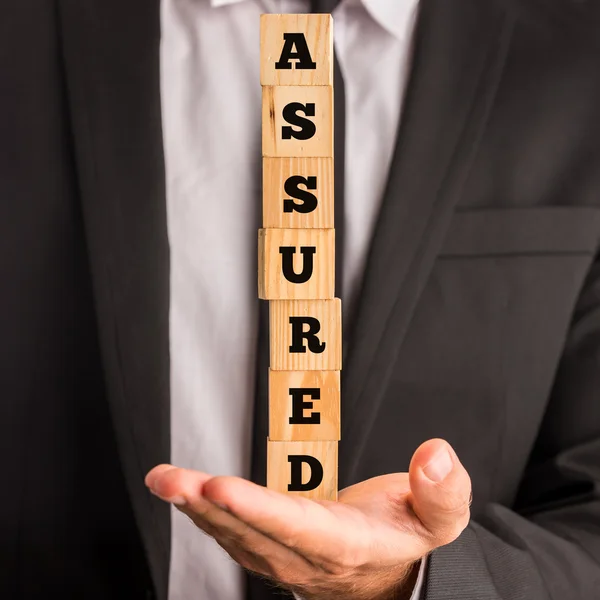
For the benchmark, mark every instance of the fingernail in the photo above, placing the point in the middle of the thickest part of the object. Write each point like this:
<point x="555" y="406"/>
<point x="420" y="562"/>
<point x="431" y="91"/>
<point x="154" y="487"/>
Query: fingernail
<point x="439" y="466"/>
<point x="153" y="476"/>
<point x="176" y="500"/>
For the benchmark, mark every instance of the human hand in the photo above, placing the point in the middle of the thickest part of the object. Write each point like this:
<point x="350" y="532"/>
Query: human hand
<point x="366" y="546"/>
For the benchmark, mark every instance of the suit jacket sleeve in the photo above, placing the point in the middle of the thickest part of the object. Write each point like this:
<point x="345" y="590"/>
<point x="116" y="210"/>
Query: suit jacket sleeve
<point x="547" y="546"/>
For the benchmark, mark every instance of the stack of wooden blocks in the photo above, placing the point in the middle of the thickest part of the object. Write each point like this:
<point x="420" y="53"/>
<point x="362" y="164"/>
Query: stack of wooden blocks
<point x="296" y="270"/>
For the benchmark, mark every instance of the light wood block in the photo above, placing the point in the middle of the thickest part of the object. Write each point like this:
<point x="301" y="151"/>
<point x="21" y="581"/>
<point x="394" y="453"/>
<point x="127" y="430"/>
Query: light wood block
<point x="310" y="396"/>
<point x="317" y="40"/>
<point x="308" y="112"/>
<point x="280" y="471"/>
<point x="288" y="181"/>
<point x="296" y="264"/>
<point x="320" y="321"/>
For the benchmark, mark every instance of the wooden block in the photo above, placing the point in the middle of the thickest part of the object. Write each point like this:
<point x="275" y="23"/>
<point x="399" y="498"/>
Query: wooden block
<point x="291" y="113"/>
<point x="296" y="49"/>
<point x="289" y="470"/>
<point x="305" y="335"/>
<point x="296" y="264"/>
<point x="309" y="396"/>
<point x="302" y="182"/>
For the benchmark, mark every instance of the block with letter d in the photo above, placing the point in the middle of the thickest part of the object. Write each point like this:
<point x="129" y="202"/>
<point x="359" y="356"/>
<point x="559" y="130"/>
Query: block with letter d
<point x="306" y="469"/>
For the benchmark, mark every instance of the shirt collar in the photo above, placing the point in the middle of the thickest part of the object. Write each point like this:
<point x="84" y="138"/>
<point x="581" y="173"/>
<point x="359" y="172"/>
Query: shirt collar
<point x="395" y="16"/>
<point x="392" y="15"/>
<point x="217" y="3"/>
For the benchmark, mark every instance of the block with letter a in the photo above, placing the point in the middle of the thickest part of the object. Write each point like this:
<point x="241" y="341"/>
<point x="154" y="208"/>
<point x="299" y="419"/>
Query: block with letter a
<point x="296" y="247"/>
<point x="296" y="50"/>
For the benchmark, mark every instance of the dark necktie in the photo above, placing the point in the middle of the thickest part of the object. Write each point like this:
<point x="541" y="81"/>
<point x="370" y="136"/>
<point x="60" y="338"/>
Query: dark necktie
<point x="339" y="112"/>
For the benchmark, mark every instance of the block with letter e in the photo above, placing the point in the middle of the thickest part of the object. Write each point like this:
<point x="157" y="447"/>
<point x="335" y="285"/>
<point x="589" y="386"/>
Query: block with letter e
<point x="304" y="405"/>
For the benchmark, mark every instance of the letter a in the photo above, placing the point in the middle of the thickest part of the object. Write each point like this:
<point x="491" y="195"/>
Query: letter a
<point x="301" y="54"/>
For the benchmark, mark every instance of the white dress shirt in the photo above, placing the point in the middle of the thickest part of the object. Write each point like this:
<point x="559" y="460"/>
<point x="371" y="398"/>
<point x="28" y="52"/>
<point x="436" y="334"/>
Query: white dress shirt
<point x="211" y="97"/>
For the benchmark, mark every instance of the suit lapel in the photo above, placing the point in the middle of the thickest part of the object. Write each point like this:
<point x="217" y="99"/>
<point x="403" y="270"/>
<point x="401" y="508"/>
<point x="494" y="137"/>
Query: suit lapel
<point x="111" y="58"/>
<point x="458" y="56"/>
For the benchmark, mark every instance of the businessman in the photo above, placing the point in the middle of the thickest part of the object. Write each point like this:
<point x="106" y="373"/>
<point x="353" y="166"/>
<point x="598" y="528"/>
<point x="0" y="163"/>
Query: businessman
<point x="133" y="363"/>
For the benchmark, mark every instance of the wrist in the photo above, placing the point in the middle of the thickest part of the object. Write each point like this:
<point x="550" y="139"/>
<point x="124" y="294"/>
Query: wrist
<point x="400" y="586"/>
<point x="403" y="590"/>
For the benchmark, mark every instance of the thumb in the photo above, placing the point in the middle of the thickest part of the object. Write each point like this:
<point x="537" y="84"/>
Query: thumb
<point x="440" y="491"/>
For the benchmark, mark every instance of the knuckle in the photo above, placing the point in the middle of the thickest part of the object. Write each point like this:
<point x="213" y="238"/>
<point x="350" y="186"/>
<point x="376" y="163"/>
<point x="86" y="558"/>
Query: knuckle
<point x="346" y="561"/>
<point x="453" y="503"/>
<point x="245" y="562"/>
<point x="452" y="519"/>
<point x="446" y="536"/>
<point x="418" y="530"/>
<point x="284" y="572"/>
<point x="464" y="520"/>
<point x="452" y="531"/>
<point x="204" y="525"/>
<point x="290" y="541"/>
<point x="260" y="550"/>
<point x="242" y="535"/>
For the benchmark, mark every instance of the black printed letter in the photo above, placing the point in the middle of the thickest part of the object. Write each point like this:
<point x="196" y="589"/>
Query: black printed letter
<point x="287" y="263"/>
<point x="316" y="473"/>
<point x="299" y="406"/>
<point x="307" y="127"/>
<point x="302" y="53"/>
<point x="299" y="335"/>
<point x="292" y="187"/>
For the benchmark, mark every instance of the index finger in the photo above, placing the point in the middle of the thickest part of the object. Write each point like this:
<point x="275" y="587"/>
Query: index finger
<point x="309" y="527"/>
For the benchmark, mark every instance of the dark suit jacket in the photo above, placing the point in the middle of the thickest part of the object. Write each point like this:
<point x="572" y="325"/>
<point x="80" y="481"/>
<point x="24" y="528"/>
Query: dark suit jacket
<point x="479" y="320"/>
